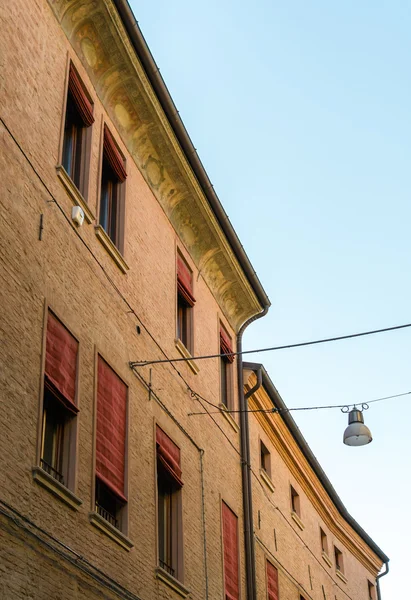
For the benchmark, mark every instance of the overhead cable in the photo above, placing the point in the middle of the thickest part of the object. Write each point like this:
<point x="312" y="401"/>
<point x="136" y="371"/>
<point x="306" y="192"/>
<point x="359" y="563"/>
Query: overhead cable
<point x="144" y="363"/>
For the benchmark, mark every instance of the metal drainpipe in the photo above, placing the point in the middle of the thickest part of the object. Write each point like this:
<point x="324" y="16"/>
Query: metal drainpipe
<point x="387" y="568"/>
<point x="245" y="468"/>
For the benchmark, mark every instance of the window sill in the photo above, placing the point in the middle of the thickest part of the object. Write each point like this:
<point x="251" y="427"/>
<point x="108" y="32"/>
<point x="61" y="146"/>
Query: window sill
<point x="341" y="576"/>
<point x="111" y="248"/>
<point x="326" y="559"/>
<point x="172" y="582"/>
<point x="227" y="415"/>
<point x="186" y="354"/>
<point x="267" y="480"/>
<point x="297" y="520"/>
<point x="74" y="193"/>
<point x="55" y="487"/>
<point x="112" y="532"/>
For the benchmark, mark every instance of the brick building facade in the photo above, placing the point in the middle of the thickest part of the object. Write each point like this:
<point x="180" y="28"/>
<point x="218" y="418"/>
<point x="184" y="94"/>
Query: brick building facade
<point x="110" y="487"/>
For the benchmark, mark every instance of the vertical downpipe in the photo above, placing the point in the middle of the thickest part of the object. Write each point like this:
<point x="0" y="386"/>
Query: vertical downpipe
<point x="251" y="581"/>
<point x="387" y="568"/>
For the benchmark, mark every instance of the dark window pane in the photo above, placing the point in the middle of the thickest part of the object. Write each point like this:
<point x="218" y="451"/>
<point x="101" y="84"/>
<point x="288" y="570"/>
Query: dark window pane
<point x="167" y="525"/>
<point x="183" y="321"/>
<point x="72" y="143"/>
<point x="108" y="505"/>
<point x="55" y="421"/>
<point x="224" y="381"/>
<point x="109" y="203"/>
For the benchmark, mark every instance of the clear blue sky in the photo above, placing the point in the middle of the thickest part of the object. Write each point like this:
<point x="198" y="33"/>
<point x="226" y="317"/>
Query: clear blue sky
<point x="300" y="112"/>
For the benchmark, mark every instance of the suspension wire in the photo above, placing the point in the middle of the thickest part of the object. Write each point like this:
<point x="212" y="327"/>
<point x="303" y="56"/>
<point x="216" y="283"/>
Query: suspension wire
<point x="144" y="363"/>
<point x="343" y="407"/>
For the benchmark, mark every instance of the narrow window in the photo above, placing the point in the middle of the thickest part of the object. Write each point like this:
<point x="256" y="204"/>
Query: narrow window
<point x="265" y="459"/>
<point x="79" y="117"/>
<point x="169" y="486"/>
<point x="230" y="546"/>
<point x="339" y="563"/>
<point x="113" y="176"/>
<point x="185" y="303"/>
<point x="59" y="402"/>
<point x="226" y="368"/>
<point x="110" y="498"/>
<point x="324" y="542"/>
<point x="371" y="591"/>
<point x="295" y="502"/>
<point x="272" y="582"/>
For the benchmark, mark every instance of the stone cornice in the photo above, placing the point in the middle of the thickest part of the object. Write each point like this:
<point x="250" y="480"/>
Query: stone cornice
<point x="287" y="448"/>
<point x="98" y="37"/>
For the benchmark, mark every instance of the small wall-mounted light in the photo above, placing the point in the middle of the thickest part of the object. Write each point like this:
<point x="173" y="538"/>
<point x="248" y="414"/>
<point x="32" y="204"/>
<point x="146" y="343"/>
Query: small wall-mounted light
<point x="356" y="434"/>
<point x="77" y="214"/>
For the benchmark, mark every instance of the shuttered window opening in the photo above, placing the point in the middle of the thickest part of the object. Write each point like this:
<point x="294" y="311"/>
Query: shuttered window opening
<point x="79" y="95"/>
<point x="185" y="281"/>
<point x="169" y="484"/>
<point x="230" y="545"/>
<point x="112" y="192"/>
<point x="59" y="400"/>
<point x="61" y="362"/>
<point x="113" y="156"/>
<point x="76" y="141"/>
<point x="226" y="375"/>
<point x="185" y="303"/>
<point x="111" y="429"/>
<point x="226" y="345"/>
<point x="272" y="581"/>
<point x="169" y="455"/>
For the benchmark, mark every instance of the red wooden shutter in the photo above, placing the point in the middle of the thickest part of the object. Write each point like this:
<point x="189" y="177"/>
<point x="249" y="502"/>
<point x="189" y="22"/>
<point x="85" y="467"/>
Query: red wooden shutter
<point x="272" y="581"/>
<point x="61" y="362"/>
<point x="81" y="100"/>
<point x="185" y="281"/>
<point x="113" y="156"/>
<point x="230" y="543"/>
<point x="111" y="428"/>
<point x="225" y="344"/>
<point x="169" y="455"/>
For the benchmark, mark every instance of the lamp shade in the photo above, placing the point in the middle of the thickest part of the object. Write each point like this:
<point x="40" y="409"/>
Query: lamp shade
<point x="356" y="434"/>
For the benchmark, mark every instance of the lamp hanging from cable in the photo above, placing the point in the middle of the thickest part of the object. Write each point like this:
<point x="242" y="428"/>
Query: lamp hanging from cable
<point x="357" y="434"/>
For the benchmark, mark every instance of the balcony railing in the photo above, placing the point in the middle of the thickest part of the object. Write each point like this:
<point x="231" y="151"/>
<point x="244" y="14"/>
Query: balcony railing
<point x="166" y="567"/>
<point x="52" y="471"/>
<point x="107" y="516"/>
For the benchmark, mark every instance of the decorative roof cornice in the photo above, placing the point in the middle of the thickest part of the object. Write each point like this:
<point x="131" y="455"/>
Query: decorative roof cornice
<point x="100" y="39"/>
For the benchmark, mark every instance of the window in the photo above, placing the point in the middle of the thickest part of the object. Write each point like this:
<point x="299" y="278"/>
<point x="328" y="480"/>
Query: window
<point x="79" y="118"/>
<point x="111" y="436"/>
<point x="339" y="563"/>
<point x="272" y="582"/>
<point x="295" y="502"/>
<point x="324" y="542"/>
<point x="265" y="459"/>
<point x="169" y="506"/>
<point x="371" y="591"/>
<point x="113" y="176"/>
<point x="59" y="402"/>
<point x="185" y="303"/>
<point x="230" y="549"/>
<point x="226" y="369"/>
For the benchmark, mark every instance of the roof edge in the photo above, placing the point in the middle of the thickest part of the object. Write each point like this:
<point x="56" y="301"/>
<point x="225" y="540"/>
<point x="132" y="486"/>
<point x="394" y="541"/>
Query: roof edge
<point x="153" y="73"/>
<point x="278" y="402"/>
